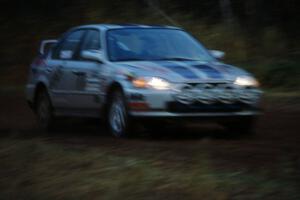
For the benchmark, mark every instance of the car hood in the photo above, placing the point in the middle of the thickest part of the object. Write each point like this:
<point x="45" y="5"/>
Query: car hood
<point x="184" y="71"/>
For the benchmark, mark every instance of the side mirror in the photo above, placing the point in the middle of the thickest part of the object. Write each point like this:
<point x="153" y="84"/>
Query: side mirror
<point x="93" y="55"/>
<point x="217" y="54"/>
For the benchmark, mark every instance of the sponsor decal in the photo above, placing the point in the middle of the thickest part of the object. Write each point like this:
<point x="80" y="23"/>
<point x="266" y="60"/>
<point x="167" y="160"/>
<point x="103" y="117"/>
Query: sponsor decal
<point x="137" y="97"/>
<point x="80" y="83"/>
<point x="56" y="77"/>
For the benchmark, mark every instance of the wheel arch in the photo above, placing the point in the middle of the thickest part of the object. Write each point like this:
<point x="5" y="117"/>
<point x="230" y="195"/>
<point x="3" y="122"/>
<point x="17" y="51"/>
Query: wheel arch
<point x="114" y="86"/>
<point x="40" y="86"/>
<point x="111" y="89"/>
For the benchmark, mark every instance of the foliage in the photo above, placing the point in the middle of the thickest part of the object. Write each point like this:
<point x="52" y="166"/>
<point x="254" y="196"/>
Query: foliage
<point x="262" y="34"/>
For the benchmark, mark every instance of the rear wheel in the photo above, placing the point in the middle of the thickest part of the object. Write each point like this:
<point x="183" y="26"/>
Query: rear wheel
<point x="44" y="111"/>
<point x="118" y="119"/>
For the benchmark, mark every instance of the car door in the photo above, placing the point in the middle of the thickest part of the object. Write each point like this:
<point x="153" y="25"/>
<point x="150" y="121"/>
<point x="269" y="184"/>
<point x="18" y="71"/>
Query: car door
<point x="85" y="74"/>
<point x="62" y="79"/>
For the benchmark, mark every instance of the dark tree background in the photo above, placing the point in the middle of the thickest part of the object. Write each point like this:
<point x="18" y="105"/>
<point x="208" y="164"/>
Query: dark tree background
<point x="261" y="35"/>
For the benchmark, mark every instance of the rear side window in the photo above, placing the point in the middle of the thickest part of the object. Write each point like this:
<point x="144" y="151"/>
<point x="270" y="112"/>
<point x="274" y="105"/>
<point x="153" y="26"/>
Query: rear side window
<point x="68" y="48"/>
<point x="92" y="41"/>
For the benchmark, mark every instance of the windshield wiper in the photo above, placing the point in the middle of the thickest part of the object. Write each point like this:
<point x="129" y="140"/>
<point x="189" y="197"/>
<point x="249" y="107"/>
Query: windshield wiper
<point x="178" y="59"/>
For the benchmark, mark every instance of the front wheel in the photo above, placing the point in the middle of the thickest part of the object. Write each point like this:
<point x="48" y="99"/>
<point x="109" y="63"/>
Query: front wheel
<point x="118" y="119"/>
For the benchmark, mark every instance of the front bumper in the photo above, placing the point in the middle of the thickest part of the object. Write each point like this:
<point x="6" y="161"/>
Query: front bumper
<point x="165" y="104"/>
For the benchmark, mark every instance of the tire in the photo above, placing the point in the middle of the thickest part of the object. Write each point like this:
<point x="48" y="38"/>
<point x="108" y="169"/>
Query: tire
<point x="244" y="127"/>
<point x="117" y="116"/>
<point x="44" y="111"/>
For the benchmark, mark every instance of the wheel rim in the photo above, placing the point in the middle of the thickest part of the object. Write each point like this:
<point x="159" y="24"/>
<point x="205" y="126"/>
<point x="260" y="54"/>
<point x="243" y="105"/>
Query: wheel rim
<point x="117" y="117"/>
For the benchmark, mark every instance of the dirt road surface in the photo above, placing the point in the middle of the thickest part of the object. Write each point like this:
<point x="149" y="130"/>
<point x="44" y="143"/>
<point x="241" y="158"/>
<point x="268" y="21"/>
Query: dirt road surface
<point x="187" y="164"/>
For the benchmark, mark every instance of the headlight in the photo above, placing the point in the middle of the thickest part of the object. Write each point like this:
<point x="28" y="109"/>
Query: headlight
<point x="151" y="82"/>
<point x="246" y="81"/>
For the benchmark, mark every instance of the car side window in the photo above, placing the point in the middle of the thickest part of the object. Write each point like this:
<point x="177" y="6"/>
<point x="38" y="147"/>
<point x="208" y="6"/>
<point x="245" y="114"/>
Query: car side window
<point x="67" y="49"/>
<point x="92" y="41"/>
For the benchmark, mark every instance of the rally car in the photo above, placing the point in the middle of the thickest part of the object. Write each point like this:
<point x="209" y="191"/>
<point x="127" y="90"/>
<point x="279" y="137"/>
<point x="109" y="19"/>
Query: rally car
<point x="126" y="72"/>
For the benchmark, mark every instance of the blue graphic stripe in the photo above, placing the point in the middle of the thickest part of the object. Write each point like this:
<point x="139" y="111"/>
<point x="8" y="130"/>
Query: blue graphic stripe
<point x="181" y="70"/>
<point x="209" y="71"/>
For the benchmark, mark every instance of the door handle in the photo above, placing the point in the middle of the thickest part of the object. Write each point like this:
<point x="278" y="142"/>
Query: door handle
<point x="78" y="73"/>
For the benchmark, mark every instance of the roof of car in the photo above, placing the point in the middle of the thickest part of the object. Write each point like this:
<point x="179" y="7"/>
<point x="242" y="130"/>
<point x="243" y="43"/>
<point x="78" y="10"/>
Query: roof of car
<point x="118" y="26"/>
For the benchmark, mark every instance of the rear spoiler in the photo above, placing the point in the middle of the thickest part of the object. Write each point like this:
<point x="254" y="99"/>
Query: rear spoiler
<point x="44" y="43"/>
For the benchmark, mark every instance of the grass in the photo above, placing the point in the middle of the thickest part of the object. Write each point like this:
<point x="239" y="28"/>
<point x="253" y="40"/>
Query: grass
<point x="267" y="52"/>
<point x="41" y="169"/>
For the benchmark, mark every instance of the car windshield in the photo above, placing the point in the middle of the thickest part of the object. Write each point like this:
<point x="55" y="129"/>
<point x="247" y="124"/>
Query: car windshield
<point x="154" y="44"/>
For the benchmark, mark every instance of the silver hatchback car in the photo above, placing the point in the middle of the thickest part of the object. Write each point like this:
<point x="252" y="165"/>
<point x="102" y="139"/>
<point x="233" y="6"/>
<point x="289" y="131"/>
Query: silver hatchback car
<point x="130" y="72"/>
